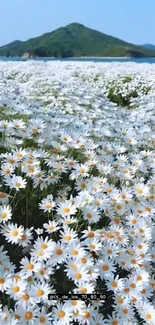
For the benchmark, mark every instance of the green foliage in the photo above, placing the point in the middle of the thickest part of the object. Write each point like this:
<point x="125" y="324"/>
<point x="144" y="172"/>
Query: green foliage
<point x="75" y="40"/>
<point x="127" y="79"/>
<point x="124" y="101"/>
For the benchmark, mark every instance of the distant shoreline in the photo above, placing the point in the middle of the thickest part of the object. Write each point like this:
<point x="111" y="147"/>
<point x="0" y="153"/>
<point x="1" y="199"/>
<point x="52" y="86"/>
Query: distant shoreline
<point x="78" y="58"/>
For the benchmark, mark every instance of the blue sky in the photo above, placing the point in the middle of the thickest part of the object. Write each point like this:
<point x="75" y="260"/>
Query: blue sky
<point x="130" y="20"/>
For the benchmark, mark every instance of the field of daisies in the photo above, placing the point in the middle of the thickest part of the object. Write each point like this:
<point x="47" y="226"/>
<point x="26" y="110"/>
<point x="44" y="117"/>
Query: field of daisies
<point x="77" y="193"/>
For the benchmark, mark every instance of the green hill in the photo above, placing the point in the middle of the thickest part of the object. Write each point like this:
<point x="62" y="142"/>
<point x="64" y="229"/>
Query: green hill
<point x="149" y="46"/>
<point x="75" y="40"/>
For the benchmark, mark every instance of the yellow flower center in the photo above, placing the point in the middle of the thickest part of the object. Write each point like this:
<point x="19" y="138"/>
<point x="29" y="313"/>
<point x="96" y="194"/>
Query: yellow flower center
<point x="31" y="170"/>
<point x="44" y="246"/>
<point x="18" y="185"/>
<point x="61" y="314"/>
<point x="68" y="237"/>
<point x="84" y="260"/>
<point x="40" y="293"/>
<point x="133" y="285"/>
<point x="120" y="300"/>
<point x="74" y="302"/>
<point x="66" y="210"/>
<point x="115" y="322"/>
<point x="139" y="278"/>
<point x="4" y="215"/>
<point x="48" y="206"/>
<point x="29" y="315"/>
<point x="133" y="261"/>
<point x="87" y="314"/>
<point x="42" y="320"/>
<point x="75" y="253"/>
<point x="139" y="191"/>
<point x="15" y="233"/>
<point x="51" y="228"/>
<point x="16" y="289"/>
<point x="78" y="276"/>
<point x="24" y="237"/>
<point x="83" y="186"/>
<point x="26" y="297"/>
<point x="105" y="268"/>
<point x="114" y="284"/>
<point x="91" y="234"/>
<point x="59" y="252"/>
<point x="92" y="246"/>
<point x="3" y="195"/>
<point x="30" y="267"/>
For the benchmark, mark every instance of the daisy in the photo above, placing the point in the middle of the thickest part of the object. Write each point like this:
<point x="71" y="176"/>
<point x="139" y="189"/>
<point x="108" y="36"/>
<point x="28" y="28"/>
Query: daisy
<point x="5" y="213"/>
<point x="6" y="316"/>
<point x="84" y="288"/>
<point x="62" y="314"/>
<point x="147" y="312"/>
<point x="28" y="315"/>
<point x="80" y="170"/>
<point x="52" y="178"/>
<point x="43" y="317"/>
<point x="66" y="208"/>
<point x="71" y="163"/>
<point x="75" y="305"/>
<point x="106" y="268"/>
<point x="77" y="274"/>
<point x="81" y="185"/>
<point x="51" y="226"/>
<point x="110" y="250"/>
<point x="68" y="235"/>
<point x="19" y="153"/>
<point x="40" y="291"/>
<point x="4" y="280"/>
<point x="114" y="319"/>
<point x="68" y="220"/>
<point x="16" y="288"/>
<point x="16" y="182"/>
<point x="7" y="169"/>
<point x="82" y="199"/>
<point x="26" y="300"/>
<point x="18" y="124"/>
<point x="75" y="250"/>
<point x="141" y="190"/>
<point x="47" y="205"/>
<point x="45" y="271"/>
<point x="87" y="314"/>
<point x="12" y="232"/>
<point x="26" y="238"/>
<point x="59" y="254"/>
<point x="29" y="266"/>
<point x="31" y="170"/>
<point x="115" y="284"/>
<point x="11" y="160"/>
<point x="93" y="245"/>
<point x="4" y="198"/>
<point x="86" y="260"/>
<point x="42" y="249"/>
<point x="91" y="215"/>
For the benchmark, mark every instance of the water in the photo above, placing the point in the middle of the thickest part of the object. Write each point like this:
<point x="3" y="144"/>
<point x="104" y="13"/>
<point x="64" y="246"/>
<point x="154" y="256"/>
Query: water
<point x="96" y="60"/>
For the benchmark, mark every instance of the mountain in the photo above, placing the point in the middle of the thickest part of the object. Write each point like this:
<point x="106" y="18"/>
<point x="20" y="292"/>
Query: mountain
<point x="149" y="46"/>
<point x="74" y="40"/>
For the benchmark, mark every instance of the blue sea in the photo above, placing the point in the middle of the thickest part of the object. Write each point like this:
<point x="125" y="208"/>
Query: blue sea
<point x="96" y="60"/>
